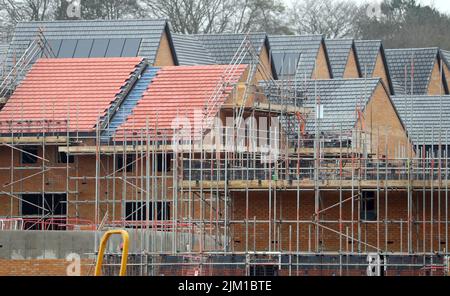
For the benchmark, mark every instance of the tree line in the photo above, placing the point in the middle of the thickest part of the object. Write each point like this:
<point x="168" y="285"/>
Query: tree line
<point x="399" y="23"/>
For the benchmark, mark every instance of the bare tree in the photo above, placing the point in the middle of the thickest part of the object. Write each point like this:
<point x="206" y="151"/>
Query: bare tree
<point x="261" y="15"/>
<point x="31" y="10"/>
<point x="333" y="18"/>
<point x="193" y="16"/>
<point x="218" y="16"/>
<point x="14" y="11"/>
<point x="39" y="10"/>
<point x="186" y="16"/>
<point x="110" y="9"/>
<point x="407" y="23"/>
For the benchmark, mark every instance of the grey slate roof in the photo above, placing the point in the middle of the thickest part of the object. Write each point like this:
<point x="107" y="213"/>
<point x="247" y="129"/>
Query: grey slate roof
<point x="150" y="31"/>
<point x="338" y="53"/>
<point x="424" y="60"/>
<point x="446" y="57"/>
<point x="422" y="117"/>
<point x="190" y="51"/>
<point x="339" y="97"/>
<point x="3" y="51"/>
<point x="306" y="46"/>
<point x="222" y="47"/>
<point x="368" y="51"/>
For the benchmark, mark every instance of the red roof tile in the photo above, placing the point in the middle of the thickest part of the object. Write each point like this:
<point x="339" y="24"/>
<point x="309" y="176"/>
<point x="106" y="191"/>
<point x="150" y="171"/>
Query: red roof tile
<point x="178" y="91"/>
<point x="57" y="90"/>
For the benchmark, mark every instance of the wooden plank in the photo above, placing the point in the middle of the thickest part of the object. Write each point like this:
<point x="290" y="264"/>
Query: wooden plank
<point x="309" y="184"/>
<point x="118" y="149"/>
<point x="326" y="151"/>
<point x="286" y="109"/>
<point x="275" y="109"/>
<point x="33" y="140"/>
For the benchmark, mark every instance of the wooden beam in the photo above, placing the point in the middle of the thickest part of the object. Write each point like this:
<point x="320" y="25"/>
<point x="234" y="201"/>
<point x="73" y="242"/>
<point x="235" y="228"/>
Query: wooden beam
<point x="327" y="151"/>
<point x="309" y="184"/>
<point x="33" y="140"/>
<point x="273" y="108"/>
<point x="285" y="109"/>
<point x="87" y="150"/>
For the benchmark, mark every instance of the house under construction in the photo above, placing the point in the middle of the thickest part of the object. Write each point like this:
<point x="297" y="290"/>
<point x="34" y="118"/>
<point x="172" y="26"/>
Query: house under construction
<point x="218" y="156"/>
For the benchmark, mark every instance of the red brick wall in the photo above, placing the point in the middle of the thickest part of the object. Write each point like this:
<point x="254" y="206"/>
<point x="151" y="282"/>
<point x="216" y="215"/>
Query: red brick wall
<point x="431" y="239"/>
<point x="55" y="267"/>
<point x="55" y="181"/>
<point x="58" y="268"/>
<point x="286" y="232"/>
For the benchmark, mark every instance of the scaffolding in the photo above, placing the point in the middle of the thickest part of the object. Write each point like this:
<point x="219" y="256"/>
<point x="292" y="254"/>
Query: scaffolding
<point x="232" y="208"/>
<point x="16" y="69"/>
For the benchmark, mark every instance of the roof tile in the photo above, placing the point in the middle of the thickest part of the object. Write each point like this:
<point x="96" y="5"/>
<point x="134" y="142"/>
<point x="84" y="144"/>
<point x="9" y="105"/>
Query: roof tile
<point x="446" y="57"/>
<point x="338" y="53"/>
<point x="368" y="51"/>
<point x="164" y="100"/>
<point x="190" y="51"/>
<point x="74" y="90"/>
<point x="149" y="31"/>
<point x="339" y="98"/>
<point x="426" y="118"/>
<point x="223" y="47"/>
<point x="401" y="60"/>
<point x="306" y="47"/>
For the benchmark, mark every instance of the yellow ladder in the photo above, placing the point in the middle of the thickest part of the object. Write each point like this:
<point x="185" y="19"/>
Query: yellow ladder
<point x="102" y="248"/>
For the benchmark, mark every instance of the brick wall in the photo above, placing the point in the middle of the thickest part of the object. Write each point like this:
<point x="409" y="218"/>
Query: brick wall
<point x="435" y="85"/>
<point x="351" y="69"/>
<point x="389" y="138"/>
<point x="379" y="70"/>
<point x="164" y="57"/>
<point x="58" y="268"/>
<point x="55" y="181"/>
<point x="54" y="267"/>
<point x="322" y="70"/>
<point x="386" y="236"/>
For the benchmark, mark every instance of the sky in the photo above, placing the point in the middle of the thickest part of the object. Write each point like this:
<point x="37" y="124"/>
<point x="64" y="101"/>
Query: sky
<point x="441" y="5"/>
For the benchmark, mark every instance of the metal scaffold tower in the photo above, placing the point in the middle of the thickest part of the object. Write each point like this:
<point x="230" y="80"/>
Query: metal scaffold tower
<point x="19" y="67"/>
<point x="323" y="205"/>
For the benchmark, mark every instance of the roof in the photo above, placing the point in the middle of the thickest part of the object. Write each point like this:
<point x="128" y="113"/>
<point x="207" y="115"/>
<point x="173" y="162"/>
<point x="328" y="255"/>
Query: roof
<point x="339" y="97"/>
<point x="121" y="109"/>
<point x="164" y="100"/>
<point x="295" y="54"/>
<point x="446" y="57"/>
<point x="223" y="47"/>
<point x="143" y="37"/>
<point x="338" y="54"/>
<point x="400" y="60"/>
<point x="422" y="117"/>
<point x="3" y="51"/>
<point x="190" y="51"/>
<point x="367" y="52"/>
<point x="59" y="90"/>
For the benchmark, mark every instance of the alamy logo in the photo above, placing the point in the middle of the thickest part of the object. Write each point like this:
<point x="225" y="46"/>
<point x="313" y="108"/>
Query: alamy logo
<point x="74" y="267"/>
<point x="73" y="9"/>
<point x="254" y="135"/>
<point x="374" y="10"/>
